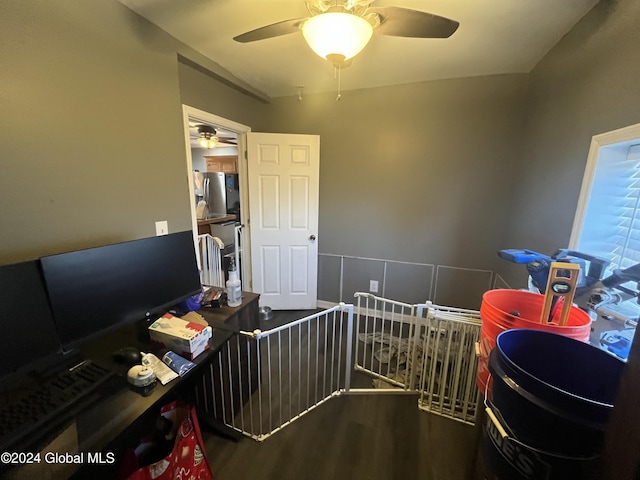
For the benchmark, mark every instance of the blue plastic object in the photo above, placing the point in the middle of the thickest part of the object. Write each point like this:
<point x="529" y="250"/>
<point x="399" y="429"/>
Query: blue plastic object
<point x="521" y="256"/>
<point x="616" y="343"/>
<point x="191" y="303"/>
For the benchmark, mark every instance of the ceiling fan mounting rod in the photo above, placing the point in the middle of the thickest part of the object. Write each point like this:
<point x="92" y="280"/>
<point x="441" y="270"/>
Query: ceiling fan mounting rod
<point x="355" y="7"/>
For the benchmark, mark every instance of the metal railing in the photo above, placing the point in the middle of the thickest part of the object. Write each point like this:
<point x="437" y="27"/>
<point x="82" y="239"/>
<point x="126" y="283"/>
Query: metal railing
<point x="262" y="381"/>
<point x="386" y="347"/>
<point x="448" y="363"/>
<point x="426" y="348"/>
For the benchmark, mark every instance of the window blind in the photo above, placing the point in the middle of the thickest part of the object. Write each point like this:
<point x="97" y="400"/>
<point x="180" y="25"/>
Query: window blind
<point x="611" y="227"/>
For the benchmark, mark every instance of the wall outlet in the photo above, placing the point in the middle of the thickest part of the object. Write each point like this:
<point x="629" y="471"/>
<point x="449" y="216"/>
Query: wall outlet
<point x="162" y="228"/>
<point x="373" y="286"/>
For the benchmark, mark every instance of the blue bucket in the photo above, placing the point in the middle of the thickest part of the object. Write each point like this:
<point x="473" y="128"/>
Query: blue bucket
<point x="551" y="398"/>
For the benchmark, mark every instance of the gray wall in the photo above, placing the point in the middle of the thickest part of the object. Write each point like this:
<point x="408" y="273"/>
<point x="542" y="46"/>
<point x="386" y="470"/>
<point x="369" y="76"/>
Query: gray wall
<point x="587" y="85"/>
<point x="418" y="173"/>
<point x="438" y="172"/>
<point x="91" y="136"/>
<point x="205" y="92"/>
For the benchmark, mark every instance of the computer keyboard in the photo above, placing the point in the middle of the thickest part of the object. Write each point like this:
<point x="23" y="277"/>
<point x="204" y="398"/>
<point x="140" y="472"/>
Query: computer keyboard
<point x="39" y="405"/>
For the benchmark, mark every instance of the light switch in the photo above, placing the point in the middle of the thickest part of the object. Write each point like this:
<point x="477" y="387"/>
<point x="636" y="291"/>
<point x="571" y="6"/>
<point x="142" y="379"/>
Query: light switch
<point x="162" y="228"/>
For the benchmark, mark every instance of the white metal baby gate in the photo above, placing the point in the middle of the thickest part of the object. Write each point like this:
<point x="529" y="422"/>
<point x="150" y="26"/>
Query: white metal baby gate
<point x="210" y="257"/>
<point x="262" y="381"/>
<point x="426" y="348"/>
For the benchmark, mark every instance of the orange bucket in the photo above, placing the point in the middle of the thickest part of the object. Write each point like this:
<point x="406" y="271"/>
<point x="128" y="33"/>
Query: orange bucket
<point x="498" y="313"/>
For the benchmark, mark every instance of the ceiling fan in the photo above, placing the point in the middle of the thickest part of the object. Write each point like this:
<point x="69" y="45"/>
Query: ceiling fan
<point x="339" y="29"/>
<point x="207" y="136"/>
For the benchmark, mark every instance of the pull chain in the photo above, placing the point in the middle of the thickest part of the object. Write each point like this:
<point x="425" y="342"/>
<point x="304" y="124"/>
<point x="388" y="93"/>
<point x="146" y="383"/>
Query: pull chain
<point x="338" y="73"/>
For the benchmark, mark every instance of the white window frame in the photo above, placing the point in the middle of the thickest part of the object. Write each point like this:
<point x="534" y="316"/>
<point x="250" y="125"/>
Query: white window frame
<point x="614" y="142"/>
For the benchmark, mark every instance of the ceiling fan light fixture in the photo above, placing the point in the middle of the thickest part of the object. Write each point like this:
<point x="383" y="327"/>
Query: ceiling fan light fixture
<point x="208" y="142"/>
<point x="208" y="137"/>
<point x="337" y="35"/>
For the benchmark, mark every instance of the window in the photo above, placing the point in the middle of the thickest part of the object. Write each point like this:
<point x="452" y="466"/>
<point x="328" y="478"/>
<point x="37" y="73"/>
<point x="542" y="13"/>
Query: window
<point x="607" y="225"/>
<point x="607" y="222"/>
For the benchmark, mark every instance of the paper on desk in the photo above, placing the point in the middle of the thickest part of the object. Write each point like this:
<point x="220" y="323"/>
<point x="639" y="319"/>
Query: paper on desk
<point x="162" y="371"/>
<point x="195" y="317"/>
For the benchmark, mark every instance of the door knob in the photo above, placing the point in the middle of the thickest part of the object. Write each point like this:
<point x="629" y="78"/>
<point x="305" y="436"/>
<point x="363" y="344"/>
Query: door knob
<point x="312" y="237"/>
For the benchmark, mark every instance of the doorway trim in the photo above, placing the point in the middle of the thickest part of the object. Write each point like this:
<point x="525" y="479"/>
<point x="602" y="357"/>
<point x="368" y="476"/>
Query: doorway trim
<point x="241" y="130"/>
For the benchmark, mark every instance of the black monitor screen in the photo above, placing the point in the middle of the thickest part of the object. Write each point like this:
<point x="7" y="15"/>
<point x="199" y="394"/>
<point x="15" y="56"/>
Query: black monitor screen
<point x="27" y="328"/>
<point x="96" y="289"/>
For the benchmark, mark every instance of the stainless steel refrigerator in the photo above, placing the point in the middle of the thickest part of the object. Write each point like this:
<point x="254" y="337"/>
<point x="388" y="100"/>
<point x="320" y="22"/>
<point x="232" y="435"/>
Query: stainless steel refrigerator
<point x="219" y="192"/>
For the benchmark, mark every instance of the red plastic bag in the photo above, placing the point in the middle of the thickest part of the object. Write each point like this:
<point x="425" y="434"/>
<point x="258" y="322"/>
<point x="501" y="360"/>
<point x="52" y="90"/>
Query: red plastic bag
<point x="187" y="460"/>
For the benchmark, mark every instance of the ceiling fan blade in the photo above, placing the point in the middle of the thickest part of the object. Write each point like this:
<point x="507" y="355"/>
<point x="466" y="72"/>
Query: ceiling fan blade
<point x="404" y="22"/>
<point x="269" y="31"/>
<point x="225" y="140"/>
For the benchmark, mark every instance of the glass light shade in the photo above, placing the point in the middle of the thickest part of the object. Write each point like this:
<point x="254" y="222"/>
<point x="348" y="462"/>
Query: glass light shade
<point x="208" y="142"/>
<point x="337" y="34"/>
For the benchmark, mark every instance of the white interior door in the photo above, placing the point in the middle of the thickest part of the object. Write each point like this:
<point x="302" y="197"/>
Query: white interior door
<point x="283" y="173"/>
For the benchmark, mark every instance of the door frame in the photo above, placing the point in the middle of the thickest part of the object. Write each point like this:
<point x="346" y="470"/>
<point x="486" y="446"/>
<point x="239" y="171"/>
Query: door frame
<point x="241" y="130"/>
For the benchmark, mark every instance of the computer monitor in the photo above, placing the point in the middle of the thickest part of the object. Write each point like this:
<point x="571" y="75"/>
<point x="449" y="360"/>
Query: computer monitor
<point x="27" y="329"/>
<point x="94" y="290"/>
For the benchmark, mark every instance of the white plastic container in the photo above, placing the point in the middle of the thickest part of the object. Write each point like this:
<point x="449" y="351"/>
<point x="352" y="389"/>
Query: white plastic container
<point x="234" y="296"/>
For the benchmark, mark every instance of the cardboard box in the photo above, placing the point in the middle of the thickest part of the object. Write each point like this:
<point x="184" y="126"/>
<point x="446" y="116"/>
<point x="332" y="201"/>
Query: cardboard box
<point x="187" y="339"/>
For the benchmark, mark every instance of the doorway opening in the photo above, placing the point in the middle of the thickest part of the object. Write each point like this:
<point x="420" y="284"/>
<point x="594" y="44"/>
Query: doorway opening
<point x="217" y="177"/>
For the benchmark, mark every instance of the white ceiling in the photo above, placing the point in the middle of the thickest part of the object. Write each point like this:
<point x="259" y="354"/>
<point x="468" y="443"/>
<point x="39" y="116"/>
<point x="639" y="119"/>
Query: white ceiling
<point x="494" y="37"/>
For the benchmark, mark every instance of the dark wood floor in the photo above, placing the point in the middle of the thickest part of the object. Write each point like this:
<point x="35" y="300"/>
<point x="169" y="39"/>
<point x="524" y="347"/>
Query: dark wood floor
<point x="353" y="437"/>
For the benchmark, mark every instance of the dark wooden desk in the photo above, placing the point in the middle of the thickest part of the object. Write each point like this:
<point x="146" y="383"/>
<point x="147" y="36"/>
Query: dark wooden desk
<point x="121" y="415"/>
